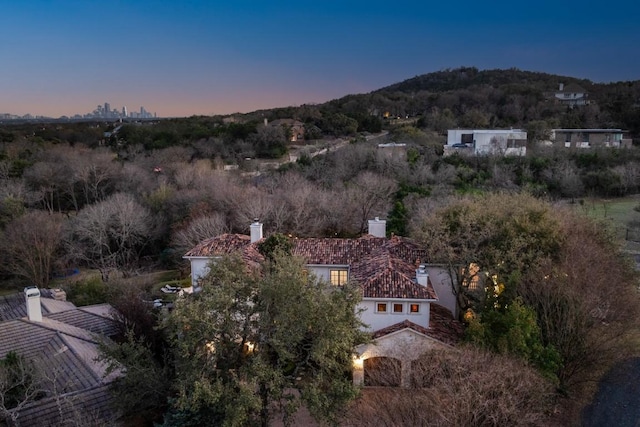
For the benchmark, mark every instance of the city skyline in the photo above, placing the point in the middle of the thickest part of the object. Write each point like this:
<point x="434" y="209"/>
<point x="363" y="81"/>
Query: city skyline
<point x="102" y="111"/>
<point x="202" y="58"/>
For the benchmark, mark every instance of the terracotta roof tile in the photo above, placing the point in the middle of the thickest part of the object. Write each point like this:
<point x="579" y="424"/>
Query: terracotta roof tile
<point x="220" y="245"/>
<point x="329" y="251"/>
<point x="442" y="327"/>
<point x="381" y="275"/>
<point x="383" y="267"/>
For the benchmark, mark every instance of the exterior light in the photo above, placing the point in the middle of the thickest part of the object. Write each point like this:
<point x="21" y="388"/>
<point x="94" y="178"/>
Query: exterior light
<point x="358" y="362"/>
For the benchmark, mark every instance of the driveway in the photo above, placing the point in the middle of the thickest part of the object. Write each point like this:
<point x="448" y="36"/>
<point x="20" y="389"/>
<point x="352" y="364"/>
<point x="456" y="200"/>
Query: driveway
<point x="617" y="400"/>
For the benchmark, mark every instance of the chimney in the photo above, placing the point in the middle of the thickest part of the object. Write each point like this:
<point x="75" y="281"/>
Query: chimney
<point x="32" y="297"/>
<point x="378" y="227"/>
<point x="561" y="87"/>
<point x="422" y="277"/>
<point x="256" y="231"/>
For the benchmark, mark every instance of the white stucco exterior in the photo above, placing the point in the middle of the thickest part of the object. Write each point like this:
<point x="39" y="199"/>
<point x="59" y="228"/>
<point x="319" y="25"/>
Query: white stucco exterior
<point x="405" y="345"/>
<point x="441" y="281"/>
<point x="199" y="268"/>
<point x="323" y="272"/>
<point x="507" y="142"/>
<point x="376" y="320"/>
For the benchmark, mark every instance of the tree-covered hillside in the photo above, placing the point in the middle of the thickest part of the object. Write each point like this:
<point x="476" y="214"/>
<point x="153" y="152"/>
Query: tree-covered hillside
<point x="468" y="97"/>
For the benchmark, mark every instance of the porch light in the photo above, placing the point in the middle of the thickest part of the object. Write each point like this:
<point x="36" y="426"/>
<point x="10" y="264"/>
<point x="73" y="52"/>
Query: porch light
<point x="358" y="362"/>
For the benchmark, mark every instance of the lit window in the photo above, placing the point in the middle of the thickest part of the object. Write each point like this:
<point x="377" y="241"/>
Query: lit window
<point x="338" y="277"/>
<point x="414" y="308"/>
<point x="381" y="307"/>
<point x="398" y="308"/>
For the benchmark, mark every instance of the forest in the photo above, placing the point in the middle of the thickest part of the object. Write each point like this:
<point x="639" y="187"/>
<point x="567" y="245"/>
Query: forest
<point x="126" y="199"/>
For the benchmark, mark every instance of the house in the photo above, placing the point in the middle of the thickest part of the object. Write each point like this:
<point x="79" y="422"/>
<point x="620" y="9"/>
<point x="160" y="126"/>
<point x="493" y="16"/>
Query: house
<point x="506" y="142"/>
<point x="571" y="95"/>
<point x="294" y="127"/>
<point x="408" y="306"/>
<point x="588" y="138"/>
<point x="61" y="340"/>
<point x="393" y="150"/>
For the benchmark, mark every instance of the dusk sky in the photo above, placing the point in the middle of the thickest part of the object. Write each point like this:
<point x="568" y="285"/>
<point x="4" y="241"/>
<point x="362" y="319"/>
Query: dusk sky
<point x="180" y="58"/>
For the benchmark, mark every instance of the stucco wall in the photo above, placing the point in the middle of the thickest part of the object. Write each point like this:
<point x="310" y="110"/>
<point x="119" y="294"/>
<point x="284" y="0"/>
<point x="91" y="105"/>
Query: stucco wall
<point x="322" y="272"/>
<point x="199" y="268"/>
<point x="376" y="321"/>
<point x="441" y="281"/>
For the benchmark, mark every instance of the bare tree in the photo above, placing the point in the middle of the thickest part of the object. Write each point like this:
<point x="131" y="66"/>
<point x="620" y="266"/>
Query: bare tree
<point x="461" y="387"/>
<point x="197" y="230"/>
<point x="110" y="235"/>
<point x="369" y="195"/>
<point x="20" y="384"/>
<point x="32" y="243"/>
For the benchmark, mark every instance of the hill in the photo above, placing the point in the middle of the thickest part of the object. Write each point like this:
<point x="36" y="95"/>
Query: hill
<point x="468" y="97"/>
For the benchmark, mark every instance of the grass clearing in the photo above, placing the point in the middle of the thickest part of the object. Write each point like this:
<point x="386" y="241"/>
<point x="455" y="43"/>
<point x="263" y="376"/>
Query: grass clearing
<point x="619" y="214"/>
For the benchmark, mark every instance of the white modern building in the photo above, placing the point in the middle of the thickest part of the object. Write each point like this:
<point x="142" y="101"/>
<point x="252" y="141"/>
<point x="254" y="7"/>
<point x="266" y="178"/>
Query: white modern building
<point x="505" y="142"/>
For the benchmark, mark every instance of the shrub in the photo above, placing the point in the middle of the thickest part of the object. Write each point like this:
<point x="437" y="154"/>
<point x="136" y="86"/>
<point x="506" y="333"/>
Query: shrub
<point x="463" y="387"/>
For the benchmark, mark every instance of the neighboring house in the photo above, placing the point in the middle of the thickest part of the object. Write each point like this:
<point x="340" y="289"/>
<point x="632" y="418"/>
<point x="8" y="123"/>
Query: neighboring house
<point x="400" y="294"/>
<point x="393" y="150"/>
<point x="295" y="127"/>
<point x="571" y="95"/>
<point x="506" y="142"/>
<point x="61" y="340"/>
<point x="587" y="138"/>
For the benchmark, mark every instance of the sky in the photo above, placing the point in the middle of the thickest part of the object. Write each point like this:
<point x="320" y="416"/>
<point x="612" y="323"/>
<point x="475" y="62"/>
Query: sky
<point x="206" y="57"/>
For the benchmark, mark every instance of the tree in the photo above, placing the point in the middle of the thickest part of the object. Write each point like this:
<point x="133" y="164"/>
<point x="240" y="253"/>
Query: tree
<point x="255" y="341"/>
<point x="20" y="384"/>
<point x="465" y="387"/>
<point x="586" y="302"/>
<point x="32" y="244"/>
<point x="538" y="131"/>
<point x="369" y="194"/>
<point x="144" y="389"/>
<point x="502" y="235"/>
<point x="197" y="230"/>
<point x="111" y="234"/>
<point x="516" y="259"/>
<point x="269" y="141"/>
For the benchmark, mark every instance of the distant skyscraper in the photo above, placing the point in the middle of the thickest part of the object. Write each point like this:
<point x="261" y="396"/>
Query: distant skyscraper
<point x="124" y="111"/>
<point x="107" y="109"/>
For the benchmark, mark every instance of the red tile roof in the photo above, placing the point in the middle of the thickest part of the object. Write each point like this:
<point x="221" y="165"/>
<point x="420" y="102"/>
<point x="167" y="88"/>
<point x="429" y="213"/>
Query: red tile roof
<point x="382" y="275"/>
<point x="223" y="244"/>
<point x="384" y="268"/>
<point x="442" y="326"/>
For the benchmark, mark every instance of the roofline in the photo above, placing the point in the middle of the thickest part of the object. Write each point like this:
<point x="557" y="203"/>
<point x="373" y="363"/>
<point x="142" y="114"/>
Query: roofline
<point x="329" y="265"/>
<point x="414" y="331"/>
<point x="190" y="257"/>
<point x="89" y="367"/>
<point x="594" y="130"/>
<point x="399" y="299"/>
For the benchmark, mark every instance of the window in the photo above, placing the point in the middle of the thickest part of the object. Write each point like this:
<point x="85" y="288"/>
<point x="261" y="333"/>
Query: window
<point x="414" y="308"/>
<point x="338" y="277"/>
<point x="381" y="307"/>
<point x="398" y="308"/>
<point x="466" y="138"/>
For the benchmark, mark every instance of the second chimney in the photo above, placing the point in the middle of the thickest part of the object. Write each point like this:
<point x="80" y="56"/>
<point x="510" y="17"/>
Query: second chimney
<point x="256" y="231"/>
<point x="32" y="297"/>
<point x="422" y="277"/>
<point x="378" y="227"/>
